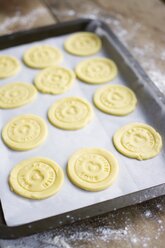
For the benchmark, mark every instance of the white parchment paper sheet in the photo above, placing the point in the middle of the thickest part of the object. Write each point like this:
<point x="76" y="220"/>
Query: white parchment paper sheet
<point x="60" y="145"/>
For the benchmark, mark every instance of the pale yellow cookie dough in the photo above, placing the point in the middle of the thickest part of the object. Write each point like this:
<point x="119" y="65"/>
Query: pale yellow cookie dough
<point x="115" y="99"/>
<point x="42" y="56"/>
<point x="92" y="169"/>
<point x="24" y="132"/>
<point x="83" y="44"/>
<point x="138" y="140"/>
<point x="17" y="94"/>
<point x="70" y="113"/>
<point x="36" y="178"/>
<point x="9" y="66"/>
<point x="54" y="80"/>
<point x="96" y="70"/>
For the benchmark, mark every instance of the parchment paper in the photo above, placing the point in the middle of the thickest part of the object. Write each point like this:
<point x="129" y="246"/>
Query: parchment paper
<point x="60" y="145"/>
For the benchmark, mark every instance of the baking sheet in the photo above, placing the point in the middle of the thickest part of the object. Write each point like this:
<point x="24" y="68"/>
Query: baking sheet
<point x="60" y="145"/>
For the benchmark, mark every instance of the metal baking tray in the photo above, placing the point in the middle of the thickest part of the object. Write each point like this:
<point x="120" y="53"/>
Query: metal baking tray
<point x="150" y="97"/>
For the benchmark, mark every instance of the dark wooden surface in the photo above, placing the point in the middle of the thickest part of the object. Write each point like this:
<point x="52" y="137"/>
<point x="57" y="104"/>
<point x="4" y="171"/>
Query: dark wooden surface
<point x="140" y="25"/>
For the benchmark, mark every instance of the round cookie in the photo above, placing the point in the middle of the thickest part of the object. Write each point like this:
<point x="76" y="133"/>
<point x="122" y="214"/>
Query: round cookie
<point x="36" y="178"/>
<point x="83" y="44"/>
<point x="92" y="169"/>
<point x="96" y="70"/>
<point x="9" y="66"/>
<point x="70" y="113"/>
<point x="138" y="140"/>
<point x="39" y="57"/>
<point x="14" y="95"/>
<point x="24" y="132"/>
<point x="54" y="80"/>
<point x="115" y="99"/>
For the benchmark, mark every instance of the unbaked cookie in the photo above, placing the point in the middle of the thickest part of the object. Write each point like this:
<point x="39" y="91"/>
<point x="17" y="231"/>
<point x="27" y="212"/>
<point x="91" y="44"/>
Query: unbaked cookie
<point x="83" y="44"/>
<point x="39" y="57"/>
<point x="96" y="70"/>
<point x="115" y="99"/>
<point x="70" y="113"/>
<point x="9" y="66"/>
<point x="14" y="95"/>
<point x="92" y="169"/>
<point x="24" y="132"/>
<point x="138" y="140"/>
<point x="36" y="178"/>
<point x="54" y="80"/>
